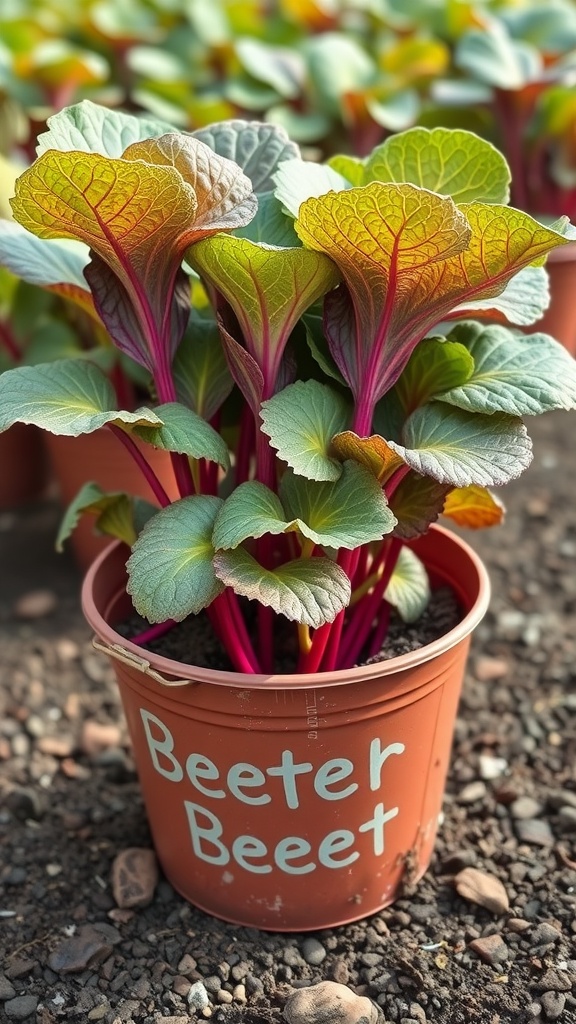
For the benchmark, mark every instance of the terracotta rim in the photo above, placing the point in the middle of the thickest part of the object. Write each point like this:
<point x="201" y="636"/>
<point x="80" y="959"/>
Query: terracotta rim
<point x="342" y="677"/>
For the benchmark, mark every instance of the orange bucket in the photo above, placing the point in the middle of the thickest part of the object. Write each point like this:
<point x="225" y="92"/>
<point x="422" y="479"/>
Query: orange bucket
<point x="559" y="320"/>
<point x="23" y="465"/>
<point x="293" y="802"/>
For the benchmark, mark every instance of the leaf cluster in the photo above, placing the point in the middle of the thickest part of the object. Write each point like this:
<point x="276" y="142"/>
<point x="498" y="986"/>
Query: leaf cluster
<point x="320" y="368"/>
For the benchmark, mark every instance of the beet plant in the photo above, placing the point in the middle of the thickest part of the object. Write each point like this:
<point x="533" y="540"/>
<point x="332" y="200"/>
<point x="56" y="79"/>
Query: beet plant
<point x="329" y="363"/>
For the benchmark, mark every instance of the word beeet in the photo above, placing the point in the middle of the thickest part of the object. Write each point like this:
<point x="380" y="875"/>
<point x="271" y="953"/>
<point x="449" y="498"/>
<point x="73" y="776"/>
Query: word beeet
<point x="253" y="786"/>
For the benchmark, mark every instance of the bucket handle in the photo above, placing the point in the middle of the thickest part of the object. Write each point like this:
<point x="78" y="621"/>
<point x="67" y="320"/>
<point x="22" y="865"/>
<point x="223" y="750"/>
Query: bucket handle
<point x="134" y="661"/>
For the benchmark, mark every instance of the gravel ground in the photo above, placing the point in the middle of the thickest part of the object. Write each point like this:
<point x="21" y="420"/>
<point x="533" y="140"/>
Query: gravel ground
<point x="70" y="807"/>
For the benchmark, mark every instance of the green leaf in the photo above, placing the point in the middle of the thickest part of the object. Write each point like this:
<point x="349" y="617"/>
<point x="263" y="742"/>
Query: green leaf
<point x="346" y="513"/>
<point x="313" y="326"/>
<point x="200" y="370"/>
<point x="257" y="148"/>
<point x="42" y="261"/>
<point x="492" y="56"/>
<point x="298" y="180"/>
<point x="270" y="224"/>
<point x="524" y="300"/>
<point x="435" y="366"/>
<point x="69" y="396"/>
<point x="170" y="573"/>
<point x="459" y="448"/>
<point x="396" y="111"/>
<point x="117" y="514"/>
<point x="268" y="288"/>
<point x="91" y="128"/>
<point x="252" y="510"/>
<point x="301" y="421"/>
<point x="281" y="67"/>
<point x="518" y="374"/>
<point x="448" y="161"/>
<point x="337" y="65"/>
<point x="311" y="591"/>
<point x="417" y="502"/>
<point x="409" y="588"/>
<point x="304" y="128"/>
<point x="183" y="431"/>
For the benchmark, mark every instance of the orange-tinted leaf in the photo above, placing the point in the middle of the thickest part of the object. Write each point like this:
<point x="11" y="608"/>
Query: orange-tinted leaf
<point x="371" y="452"/>
<point x="473" y="507"/>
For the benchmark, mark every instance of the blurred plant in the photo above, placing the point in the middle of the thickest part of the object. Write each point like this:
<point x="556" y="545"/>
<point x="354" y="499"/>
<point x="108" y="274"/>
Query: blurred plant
<point x="514" y="82"/>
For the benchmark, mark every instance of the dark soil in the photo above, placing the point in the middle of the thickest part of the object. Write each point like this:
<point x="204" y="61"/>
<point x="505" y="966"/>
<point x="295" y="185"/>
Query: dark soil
<point x="196" y="634"/>
<point x="71" y="803"/>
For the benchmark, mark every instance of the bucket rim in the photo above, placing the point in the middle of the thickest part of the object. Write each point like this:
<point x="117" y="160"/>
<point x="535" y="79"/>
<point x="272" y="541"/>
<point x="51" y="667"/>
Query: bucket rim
<point x="158" y="666"/>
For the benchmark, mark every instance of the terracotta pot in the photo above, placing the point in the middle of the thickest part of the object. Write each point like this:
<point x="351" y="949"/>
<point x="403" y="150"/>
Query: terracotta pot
<point x="103" y="458"/>
<point x="293" y="802"/>
<point x="23" y="465"/>
<point x="559" y="319"/>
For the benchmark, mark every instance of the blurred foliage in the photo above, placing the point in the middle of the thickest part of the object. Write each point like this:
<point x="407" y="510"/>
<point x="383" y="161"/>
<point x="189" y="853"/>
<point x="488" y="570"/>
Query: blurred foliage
<point x="339" y="75"/>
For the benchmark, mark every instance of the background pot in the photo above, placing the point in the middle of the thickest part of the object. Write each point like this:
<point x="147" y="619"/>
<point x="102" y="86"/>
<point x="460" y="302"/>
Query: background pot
<point x="103" y="458"/>
<point x="293" y="802"/>
<point x="23" y="465"/>
<point x="559" y="319"/>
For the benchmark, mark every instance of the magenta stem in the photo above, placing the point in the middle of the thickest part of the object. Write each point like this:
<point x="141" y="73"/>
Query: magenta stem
<point x="153" y="632"/>
<point x="381" y="630"/>
<point x="365" y="612"/>
<point x="142" y="463"/>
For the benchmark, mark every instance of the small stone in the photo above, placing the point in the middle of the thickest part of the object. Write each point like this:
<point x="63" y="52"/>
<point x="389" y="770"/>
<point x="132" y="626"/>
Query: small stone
<point x="490" y="948"/>
<point x="239" y="993"/>
<point x="36" y="604"/>
<point x="545" y="933"/>
<point x="525" y="807"/>
<point x="484" y="890"/>
<point x="56" y="746"/>
<point x="134" y="877"/>
<point x="95" y="667"/>
<point x="21" y="1007"/>
<point x="97" y="737"/>
<point x="66" y="650"/>
<point x="488" y="669"/>
<point x="339" y="971"/>
<point x="87" y="948"/>
<point x="198" y="996"/>
<point x="535" y="831"/>
<point x="553" y="1004"/>
<point x="313" y="952"/>
<point x="181" y="985"/>
<point x="517" y="925"/>
<point x="491" y="767"/>
<point x="223" y="996"/>
<point x="7" y="991"/>
<point x="329" y="1003"/>
<point x="562" y="798"/>
<point x="554" y="981"/>
<point x="567" y="815"/>
<point x="24" y="803"/>
<point x="472" y="792"/>
<point x="187" y="964"/>
<point x="99" y="1011"/>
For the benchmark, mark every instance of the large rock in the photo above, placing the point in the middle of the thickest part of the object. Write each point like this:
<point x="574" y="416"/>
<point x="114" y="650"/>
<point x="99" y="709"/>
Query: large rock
<point x="330" y="1003"/>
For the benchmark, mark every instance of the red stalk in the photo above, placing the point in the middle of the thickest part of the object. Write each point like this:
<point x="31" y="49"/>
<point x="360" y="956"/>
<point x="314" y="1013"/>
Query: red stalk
<point x="123" y="388"/>
<point x="226" y="619"/>
<point x="366" y="610"/>
<point x="142" y="463"/>
<point x="9" y="342"/>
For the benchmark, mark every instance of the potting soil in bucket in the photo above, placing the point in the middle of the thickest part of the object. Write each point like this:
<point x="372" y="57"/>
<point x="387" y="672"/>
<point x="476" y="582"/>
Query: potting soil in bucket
<point x="294" y="802"/>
